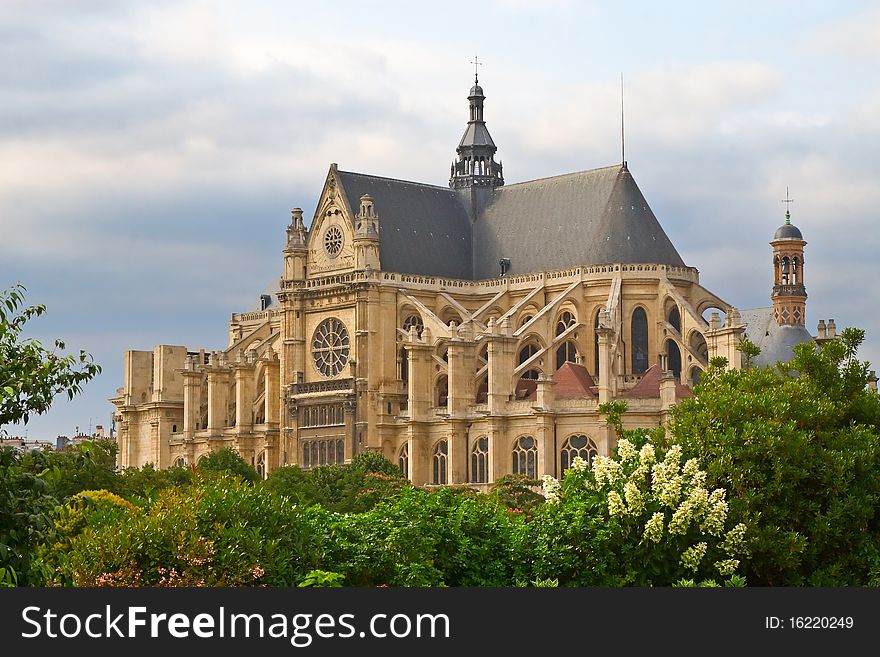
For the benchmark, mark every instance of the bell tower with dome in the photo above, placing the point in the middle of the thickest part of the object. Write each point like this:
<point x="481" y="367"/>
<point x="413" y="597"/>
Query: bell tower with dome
<point x="789" y="294"/>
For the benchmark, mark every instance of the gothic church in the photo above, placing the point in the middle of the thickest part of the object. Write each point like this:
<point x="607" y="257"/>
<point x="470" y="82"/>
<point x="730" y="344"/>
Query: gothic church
<point x="465" y="332"/>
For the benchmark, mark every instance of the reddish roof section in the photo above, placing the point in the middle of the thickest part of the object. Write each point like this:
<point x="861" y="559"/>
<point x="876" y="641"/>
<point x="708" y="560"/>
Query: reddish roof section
<point x="573" y="381"/>
<point x="526" y="389"/>
<point x="649" y="386"/>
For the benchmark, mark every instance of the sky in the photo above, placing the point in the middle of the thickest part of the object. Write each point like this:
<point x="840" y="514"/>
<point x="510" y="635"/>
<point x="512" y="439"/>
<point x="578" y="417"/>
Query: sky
<point x="150" y="152"/>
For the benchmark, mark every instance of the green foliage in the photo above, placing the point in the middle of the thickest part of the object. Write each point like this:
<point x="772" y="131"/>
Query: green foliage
<point x="518" y="494"/>
<point x="90" y="465"/>
<point x="25" y="508"/>
<point x="31" y="375"/>
<point x="640" y="519"/>
<point x="322" y="578"/>
<point x="219" y="531"/>
<point x="352" y="488"/>
<point x="147" y="482"/>
<point x="227" y="461"/>
<point x="749" y="350"/>
<point x="798" y="447"/>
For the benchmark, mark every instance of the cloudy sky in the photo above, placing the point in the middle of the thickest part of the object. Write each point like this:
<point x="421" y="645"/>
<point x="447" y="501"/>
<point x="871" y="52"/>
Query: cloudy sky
<point x="150" y="152"/>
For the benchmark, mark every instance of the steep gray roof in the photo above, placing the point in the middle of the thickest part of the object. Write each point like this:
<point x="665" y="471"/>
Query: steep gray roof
<point x="585" y="218"/>
<point x="423" y="229"/>
<point x="476" y="134"/>
<point x="776" y="342"/>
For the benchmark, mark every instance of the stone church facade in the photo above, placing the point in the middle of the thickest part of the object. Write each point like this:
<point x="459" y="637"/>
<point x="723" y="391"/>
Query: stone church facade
<point x="466" y="332"/>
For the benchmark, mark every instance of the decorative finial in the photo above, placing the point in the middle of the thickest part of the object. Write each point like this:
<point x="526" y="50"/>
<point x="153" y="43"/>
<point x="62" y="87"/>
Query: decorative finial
<point x="476" y="63"/>
<point x="787" y="211"/>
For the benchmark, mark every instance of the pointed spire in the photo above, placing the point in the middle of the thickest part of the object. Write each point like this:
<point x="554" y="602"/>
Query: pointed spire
<point x="476" y="166"/>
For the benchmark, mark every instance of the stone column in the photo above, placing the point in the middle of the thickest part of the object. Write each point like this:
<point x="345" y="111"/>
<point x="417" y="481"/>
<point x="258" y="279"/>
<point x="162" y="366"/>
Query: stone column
<point x="419" y="386"/>
<point x="192" y="393"/>
<point x="218" y="393"/>
<point x="501" y="349"/>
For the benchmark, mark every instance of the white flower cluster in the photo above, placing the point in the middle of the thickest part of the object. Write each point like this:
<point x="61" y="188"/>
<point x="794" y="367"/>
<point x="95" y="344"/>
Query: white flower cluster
<point x="606" y="471"/>
<point x="637" y="484"/>
<point x="692" y="557"/>
<point x="580" y="464"/>
<point x="550" y="488"/>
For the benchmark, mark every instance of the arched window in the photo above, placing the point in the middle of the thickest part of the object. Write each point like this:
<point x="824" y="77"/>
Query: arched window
<point x="524" y="354"/>
<point x="261" y="465"/>
<point x="480" y="461"/>
<point x="525" y="319"/>
<point x="414" y="320"/>
<point x="442" y="391"/>
<point x="403" y="375"/>
<point x="674" y="318"/>
<point x="403" y="459"/>
<point x="639" y="330"/>
<point x="673" y="354"/>
<point x="525" y="457"/>
<point x="180" y="462"/>
<point x="596" y="344"/>
<point x="567" y="352"/>
<point x="795" y="271"/>
<point x="696" y="372"/>
<point x="441" y="454"/>
<point x="566" y="321"/>
<point x="577" y="445"/>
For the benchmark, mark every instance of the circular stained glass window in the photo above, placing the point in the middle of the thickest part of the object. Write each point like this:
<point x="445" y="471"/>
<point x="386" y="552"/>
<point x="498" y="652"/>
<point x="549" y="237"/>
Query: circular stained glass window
<point x="330" y="347"/>
<point x="333" y="241"/>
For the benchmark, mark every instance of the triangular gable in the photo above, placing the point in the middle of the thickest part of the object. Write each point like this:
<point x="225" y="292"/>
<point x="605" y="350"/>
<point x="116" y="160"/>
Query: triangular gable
<point x="573" y="381"/>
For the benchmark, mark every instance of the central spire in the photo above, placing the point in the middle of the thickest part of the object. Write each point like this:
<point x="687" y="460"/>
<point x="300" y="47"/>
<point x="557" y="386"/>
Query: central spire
<point x="476" y="165"/>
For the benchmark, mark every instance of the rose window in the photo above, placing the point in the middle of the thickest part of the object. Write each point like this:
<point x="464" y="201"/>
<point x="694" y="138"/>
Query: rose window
<point x="330" y="347"/>
<point x="333" y="241"/>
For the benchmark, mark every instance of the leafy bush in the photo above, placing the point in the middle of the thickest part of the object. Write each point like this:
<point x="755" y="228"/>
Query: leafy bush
<point x="643" y="518"/>
<point x="227" y="461"/>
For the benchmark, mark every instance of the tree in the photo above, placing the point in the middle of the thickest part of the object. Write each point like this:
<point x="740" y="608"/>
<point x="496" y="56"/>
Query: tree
<point x="798" y="448"/>
<point x="31" y="375"/>
<point x="227" y="460"/>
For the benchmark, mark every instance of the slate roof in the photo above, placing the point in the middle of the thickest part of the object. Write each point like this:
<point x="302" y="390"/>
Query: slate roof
<point x="423" y="229"/>
<point x="586" y="218"/>
<point x="776" y="342"/>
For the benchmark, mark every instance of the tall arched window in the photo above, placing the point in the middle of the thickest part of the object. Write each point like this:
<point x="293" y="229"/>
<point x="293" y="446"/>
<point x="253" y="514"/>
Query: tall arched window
<point x="442" y="392"/>
<point x="674" y="357"/>
<point x="404" y="365"/>
<point x="577" y="445"/>
<point x="480" y="461"/>
<point x="403" y="459"/>
<point x="639" y="330"/>
<point x="261" y="465"/>
<point x="596" y="344"/>
<point x="524" y="354"/>
<point x="441" y="454"/>
<point x="525" y="457"/>
<point x="567" y="352"/>
<point x="674" y="318"/>
<point x="566" y="321"/>
<point x="180" y="462"/>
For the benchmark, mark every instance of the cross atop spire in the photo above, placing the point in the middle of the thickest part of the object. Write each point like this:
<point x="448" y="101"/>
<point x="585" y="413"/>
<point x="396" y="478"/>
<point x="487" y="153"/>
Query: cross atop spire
<point x="787" y="201"/>
<point x="476" y="63"/>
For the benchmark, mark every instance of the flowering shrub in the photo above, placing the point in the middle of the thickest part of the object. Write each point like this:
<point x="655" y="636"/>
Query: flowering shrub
<point x="640" y="518"/>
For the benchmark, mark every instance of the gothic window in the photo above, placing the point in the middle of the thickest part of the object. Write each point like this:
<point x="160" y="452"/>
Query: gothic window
<point x="414" y="320"/>
<point x="480" y="461"/>
<point x="639" y="330"/>
<point x="525" y="457"/>
<point x="333" y="240"/>
<point x="577" y="445"/>
<point x="330" y="347"/>
<point x="566" y="321"/>
<point x="795" y="271"/>
<point x="482" y="395"/>
<point x="403" y="459"/>
<point x="596" y="344"/>
<point x="696" y="372"/>
<point x="442" y="392"/>
<point x="404" y="365"/>
<point x="324" y="451"/>
<point x="327" y="415"/>
<point x="525" y="319"/>
<point x="261" y="465"/>
<point x="673" y="357"/>
<point x="524" y="354"/>
<point x="567" y="352"/>
<point x="674" y="318"/>
<point x="180" y="462"/>
<point x="441" y="453"/>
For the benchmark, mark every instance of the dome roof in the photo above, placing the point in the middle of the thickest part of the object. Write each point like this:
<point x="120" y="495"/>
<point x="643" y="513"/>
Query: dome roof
<point x="787" y="231"/>
<point x="476" y="90"/>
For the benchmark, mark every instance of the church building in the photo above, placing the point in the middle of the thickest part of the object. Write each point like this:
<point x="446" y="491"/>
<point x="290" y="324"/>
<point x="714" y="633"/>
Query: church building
<point x="466" y="332"/>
